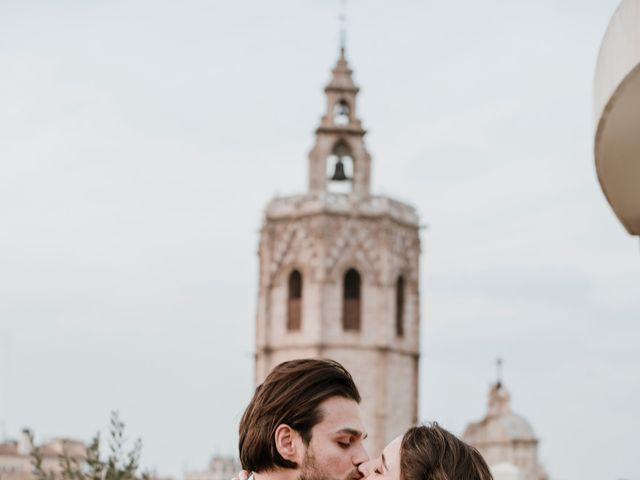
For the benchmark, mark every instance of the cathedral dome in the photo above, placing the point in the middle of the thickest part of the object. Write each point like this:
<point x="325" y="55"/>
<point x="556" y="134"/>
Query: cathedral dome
<point x="508" y="426"/>
<point x="504" y="437"/>
<point x="517" y="427"/>
<point x="500" y="424"/>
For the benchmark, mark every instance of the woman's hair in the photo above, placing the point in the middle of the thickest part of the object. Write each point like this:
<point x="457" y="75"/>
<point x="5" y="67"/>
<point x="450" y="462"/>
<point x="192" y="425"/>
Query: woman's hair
<point x="431" y="453"/>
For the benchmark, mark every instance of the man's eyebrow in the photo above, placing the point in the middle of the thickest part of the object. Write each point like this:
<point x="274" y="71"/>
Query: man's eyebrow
<point x="352" y="432"/>
<point x="384" y="462"/>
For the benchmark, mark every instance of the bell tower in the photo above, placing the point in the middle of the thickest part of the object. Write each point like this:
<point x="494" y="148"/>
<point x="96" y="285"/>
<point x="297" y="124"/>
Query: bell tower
<point x="339" y="272"/>
<point x="339" y="151"/>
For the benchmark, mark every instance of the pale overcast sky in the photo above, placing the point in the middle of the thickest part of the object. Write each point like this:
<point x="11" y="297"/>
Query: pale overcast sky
<point x="140" y="141"/>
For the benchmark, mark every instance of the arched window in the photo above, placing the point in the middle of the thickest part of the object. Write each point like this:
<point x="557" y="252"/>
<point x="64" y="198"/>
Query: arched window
<point x="400" y="306"/>
<point x="340" y="169"/>
<point x="341" y="113"/>
<point x="351" y="301"/>
<point x="294" y="302"/>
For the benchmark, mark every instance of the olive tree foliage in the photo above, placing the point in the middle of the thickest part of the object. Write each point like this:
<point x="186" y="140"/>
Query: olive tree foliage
<point x="118" y="465"/>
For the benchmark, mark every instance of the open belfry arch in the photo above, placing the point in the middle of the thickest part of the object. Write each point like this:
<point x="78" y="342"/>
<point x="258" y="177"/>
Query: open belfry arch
<point x="339" y="272"/>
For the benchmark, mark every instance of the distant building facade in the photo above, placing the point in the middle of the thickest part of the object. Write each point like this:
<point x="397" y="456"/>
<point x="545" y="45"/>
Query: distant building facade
<point x="220" y="468"/>
<point x="506" y="440"/>
<point x="15" y="456"/>
<point x="339" y="272"/>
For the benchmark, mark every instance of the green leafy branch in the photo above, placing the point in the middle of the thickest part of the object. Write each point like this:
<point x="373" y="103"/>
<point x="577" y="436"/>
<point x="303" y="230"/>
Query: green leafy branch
<point x="119" y="464"/>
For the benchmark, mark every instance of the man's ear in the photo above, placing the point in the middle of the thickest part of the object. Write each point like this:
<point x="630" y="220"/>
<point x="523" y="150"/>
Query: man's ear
<point x="289" y="444"/>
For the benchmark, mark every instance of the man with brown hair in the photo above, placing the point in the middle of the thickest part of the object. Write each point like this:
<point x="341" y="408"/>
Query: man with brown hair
<point x="304" y="422"/>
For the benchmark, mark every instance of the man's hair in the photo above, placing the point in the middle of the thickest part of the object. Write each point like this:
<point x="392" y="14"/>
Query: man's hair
<point x="291" y="395"/>
<point x="432" y="453"/>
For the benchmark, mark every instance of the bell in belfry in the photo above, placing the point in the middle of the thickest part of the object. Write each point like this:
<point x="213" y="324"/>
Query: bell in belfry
<point x="338" y="174"/>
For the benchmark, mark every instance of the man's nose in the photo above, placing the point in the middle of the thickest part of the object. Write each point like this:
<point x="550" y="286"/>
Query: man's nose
<point x="361" y="456"/>
<point x="366" y="467"/>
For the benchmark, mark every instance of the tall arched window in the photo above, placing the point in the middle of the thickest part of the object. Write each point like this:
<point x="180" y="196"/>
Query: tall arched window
<point x="351" y="301"/>
<point x="294" y="302"/>
<point x="400" y="306"/>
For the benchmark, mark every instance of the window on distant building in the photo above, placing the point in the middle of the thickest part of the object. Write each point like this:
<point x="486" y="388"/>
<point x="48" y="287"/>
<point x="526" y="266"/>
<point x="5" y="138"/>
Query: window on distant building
<point x="294" y="302"/>
<point x="400" y="306"/>
<point x="351" y="301"/>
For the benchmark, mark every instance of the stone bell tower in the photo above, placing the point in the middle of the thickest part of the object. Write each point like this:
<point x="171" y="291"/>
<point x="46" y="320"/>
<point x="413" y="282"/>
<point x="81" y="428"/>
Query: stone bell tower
<point x="339" y="273"/>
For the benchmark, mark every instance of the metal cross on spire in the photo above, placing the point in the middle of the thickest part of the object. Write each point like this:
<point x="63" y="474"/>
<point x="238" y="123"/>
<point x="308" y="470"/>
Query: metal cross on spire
<point x="343" y="26"/>
<point x="499" y="371"/>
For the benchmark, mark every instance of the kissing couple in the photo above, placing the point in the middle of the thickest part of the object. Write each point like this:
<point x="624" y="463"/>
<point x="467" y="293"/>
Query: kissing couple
<point x="304" y="423"/>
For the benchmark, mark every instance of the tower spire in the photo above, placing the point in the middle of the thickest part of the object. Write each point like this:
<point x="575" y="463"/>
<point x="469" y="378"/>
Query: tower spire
<point x="499" y="372"/>
<point x="342" y="18"/>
